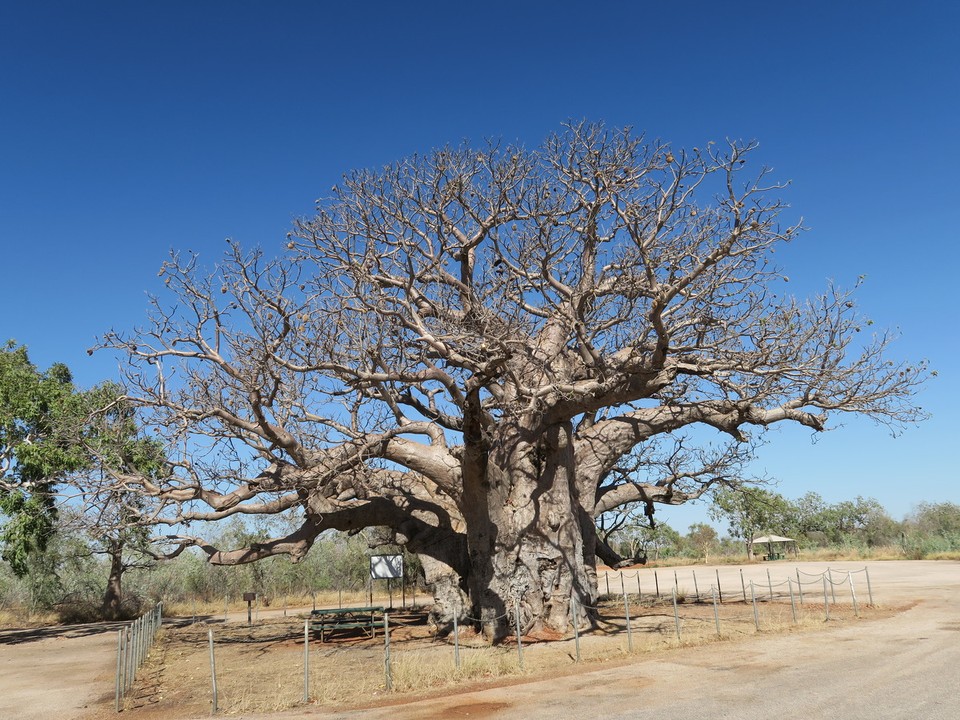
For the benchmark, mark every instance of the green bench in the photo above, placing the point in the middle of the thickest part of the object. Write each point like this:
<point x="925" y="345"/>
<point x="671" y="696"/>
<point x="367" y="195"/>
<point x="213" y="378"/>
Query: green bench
<point x="363" y="618"/>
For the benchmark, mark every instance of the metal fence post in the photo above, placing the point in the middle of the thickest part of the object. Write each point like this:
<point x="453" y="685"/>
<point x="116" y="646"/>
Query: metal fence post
<point x="306" y="660"/>
<point x="696" y="587"/>
<point x="826" y="600"/>
<point x="128" y="658"/>
<point x="656" y="581"/>
<point x="742" y="586"/>
<point x="853" y="595"/>
<point x="119" y="666"/>
<point x="866" y="570"/>
<point x="770" y="584"/>
<point x="676" y="614"/>
<point x="799" y="586"/>
<point x="140" y="637"/>
<point x="575" y="616"/>
<point x="716" y="611"/>
<point x="456" y="641"/>
<point x="719" y="589"/>
<point x="626" y="613"/>
<point x="756" y="615"/>
<point x="793" y="604"/>
<point x="386" y="651"/>
<point x="213" y="672"/>
<point x="516" y="614"/>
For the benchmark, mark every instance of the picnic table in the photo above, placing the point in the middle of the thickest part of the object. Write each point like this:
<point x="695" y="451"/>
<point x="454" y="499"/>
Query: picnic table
<point x="364" y="618"/>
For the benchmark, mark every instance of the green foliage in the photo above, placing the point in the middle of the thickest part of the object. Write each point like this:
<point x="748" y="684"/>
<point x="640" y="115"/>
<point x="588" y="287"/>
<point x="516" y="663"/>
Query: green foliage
<point x="941" y="519"/>
<point x="28" y="529"/>
<point x="702" y="540"/>
<point x="751" y="511"/>
<point x="52" y="437"/>
<point x="34" y="454"/>
<point x="637" y="539"/>
<point x="932" y="529"/>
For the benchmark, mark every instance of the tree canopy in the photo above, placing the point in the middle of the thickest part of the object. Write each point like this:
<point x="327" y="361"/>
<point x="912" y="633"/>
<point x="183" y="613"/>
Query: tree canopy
<point x="33" y="457"/>
<point x="55" y="440"/>
<point x="484" y="348"/>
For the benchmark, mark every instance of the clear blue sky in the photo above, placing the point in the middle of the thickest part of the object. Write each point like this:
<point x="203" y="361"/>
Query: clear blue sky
<point x="131" y="128"/>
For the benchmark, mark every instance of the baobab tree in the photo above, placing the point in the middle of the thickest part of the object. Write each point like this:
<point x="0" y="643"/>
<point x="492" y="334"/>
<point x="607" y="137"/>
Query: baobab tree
<point x="465" y="346"/>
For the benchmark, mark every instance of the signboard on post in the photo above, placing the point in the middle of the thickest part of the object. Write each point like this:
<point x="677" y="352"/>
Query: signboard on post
<point x="386" y="567"/>
<point x="250" y="597"/>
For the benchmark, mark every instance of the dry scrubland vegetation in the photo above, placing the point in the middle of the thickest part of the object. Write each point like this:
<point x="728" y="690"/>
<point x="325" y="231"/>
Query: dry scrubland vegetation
<point x="69" y="589"/>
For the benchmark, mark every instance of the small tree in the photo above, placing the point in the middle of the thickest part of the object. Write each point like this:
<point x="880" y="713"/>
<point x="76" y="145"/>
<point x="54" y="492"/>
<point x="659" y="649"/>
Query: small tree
<point x="702" y="538"/>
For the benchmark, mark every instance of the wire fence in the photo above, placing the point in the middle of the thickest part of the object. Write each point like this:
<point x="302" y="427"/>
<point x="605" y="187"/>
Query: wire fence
<point x="133" y="644"/>
<point x="634" y="610"/>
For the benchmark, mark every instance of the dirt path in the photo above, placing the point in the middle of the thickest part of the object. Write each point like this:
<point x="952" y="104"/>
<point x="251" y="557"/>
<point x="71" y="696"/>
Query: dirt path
<point x="62" y="672"/>
<point x="904" y="666"/>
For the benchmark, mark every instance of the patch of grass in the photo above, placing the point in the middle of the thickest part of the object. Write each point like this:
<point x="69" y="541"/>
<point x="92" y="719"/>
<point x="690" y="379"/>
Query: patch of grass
<point x="415" y="671"/>
<point x="21" y="617"/>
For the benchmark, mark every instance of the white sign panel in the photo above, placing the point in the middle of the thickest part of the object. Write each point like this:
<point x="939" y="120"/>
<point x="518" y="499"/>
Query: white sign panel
<point x="384" y="567"/>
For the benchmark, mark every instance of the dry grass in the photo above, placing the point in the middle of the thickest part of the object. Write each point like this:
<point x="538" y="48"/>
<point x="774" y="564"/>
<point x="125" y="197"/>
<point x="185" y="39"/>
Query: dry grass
<point x="20" y="617"/>
<point x="884" y="552"/>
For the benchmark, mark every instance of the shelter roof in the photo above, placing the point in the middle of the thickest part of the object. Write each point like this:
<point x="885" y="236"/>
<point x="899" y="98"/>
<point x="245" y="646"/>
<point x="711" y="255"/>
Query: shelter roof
<point x="772" y="539"/>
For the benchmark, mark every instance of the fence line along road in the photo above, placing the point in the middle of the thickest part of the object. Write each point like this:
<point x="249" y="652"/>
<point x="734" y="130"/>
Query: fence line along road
<point x="133" y="644"/>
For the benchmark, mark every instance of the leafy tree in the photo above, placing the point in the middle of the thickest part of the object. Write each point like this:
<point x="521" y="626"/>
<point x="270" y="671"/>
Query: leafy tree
<point x="941" y="519"/>
<point x="33" y="457"/>
<point x="54" y="443"/>
<point x="627" y="535"/>
<point x="702" y="538"/>
<point x="463" y="346"/>
<point x="752" y="511"/>
<point x="811" y="517"/>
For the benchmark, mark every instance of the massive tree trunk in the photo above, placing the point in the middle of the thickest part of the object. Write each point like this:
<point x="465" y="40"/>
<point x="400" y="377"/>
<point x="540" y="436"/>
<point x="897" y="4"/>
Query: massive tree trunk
<point x="525" y="534"/>
<point x="443" y="556"/>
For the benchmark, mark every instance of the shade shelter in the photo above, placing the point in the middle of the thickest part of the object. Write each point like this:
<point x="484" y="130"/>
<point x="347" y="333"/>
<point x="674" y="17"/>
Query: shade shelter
<point x="777" y="546"/>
